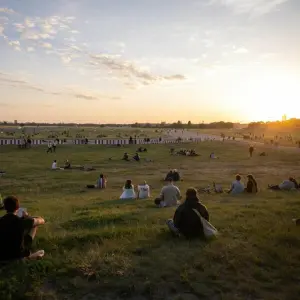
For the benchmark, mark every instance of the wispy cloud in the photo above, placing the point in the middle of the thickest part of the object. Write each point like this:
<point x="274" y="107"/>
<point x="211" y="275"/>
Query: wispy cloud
<point x="128" y="70"/>
<point x="251" y="7"/>
<point x="76" y="92"/>
<point x="241" y="50"/>
<point x="6" y="10"/>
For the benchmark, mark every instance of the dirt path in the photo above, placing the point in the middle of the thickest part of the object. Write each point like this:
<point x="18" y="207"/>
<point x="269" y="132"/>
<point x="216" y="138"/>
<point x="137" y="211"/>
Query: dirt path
<point x="186" y="134"/>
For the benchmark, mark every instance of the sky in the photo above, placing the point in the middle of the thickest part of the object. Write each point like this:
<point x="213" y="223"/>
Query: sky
<point x="126" y="61"/>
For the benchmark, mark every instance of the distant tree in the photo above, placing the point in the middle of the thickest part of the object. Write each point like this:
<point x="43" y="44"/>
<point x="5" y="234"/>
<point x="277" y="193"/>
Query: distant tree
<point x="189" y="124"/>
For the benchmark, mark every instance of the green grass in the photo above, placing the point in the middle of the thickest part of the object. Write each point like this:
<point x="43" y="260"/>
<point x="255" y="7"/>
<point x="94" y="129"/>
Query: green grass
<point x="97" y="245"/>
<point x="44" y="132"/>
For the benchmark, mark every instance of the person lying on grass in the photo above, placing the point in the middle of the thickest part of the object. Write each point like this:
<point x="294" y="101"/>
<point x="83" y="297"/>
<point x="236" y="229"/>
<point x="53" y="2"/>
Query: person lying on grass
<point x="186" y="221"/>
<point x="17" y="232"/>
<point x="128" y="191"/>
<point x="286" y="185"/>
<point x="169" y="195"/>
<point x="136" y="157"/>
<point x="101" y="183"/>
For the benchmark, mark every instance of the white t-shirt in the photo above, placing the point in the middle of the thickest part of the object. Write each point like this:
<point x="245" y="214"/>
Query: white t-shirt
<point x="54" y="165"/>
<point x="237" y="187"/>
<point x="144" y="191"/>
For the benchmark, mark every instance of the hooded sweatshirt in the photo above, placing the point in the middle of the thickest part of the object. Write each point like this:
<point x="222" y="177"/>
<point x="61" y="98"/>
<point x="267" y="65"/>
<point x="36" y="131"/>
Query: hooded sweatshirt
<point x="187" y="221"/>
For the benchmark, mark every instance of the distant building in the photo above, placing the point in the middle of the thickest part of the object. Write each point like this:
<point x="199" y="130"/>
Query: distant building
<point x="16" y="122"/>
<point x="284" y="118"/>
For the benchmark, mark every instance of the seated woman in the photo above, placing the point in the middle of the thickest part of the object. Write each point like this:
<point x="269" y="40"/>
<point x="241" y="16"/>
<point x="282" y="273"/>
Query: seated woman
<point x="213" y="156"/>
<point x="125" y="156"/>
<point x="143" y="191"/>
<point x="128" y="191"/>
<point x="186" y="219"/>
<point x="100" y="184"/>
<point x="286" y="185"/>
<point x="54" y="165"/>
<point x="251" y="185"/>
<point x="136" y="157"/>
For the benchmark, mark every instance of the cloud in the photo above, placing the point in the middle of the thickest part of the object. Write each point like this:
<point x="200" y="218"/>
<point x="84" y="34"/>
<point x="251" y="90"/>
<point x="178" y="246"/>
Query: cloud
<point x="241" y="51"/>
<point x="251" y="7"/>
<point x="127" y="69"/>
<point x="46" y="45"/>
<point x="30" y="49"/>
<point x="6" y="10"/>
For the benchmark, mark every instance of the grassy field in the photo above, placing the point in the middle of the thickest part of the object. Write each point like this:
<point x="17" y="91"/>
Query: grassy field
<point x="43" y="132"/>
<point x="99" y="247"/>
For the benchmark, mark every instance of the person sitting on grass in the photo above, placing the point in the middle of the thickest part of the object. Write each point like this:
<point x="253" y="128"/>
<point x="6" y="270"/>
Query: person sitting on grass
<point x="213" y="156"/>
<point x="176" y="175"/>
<point x="286" y="185"/>
<point x="125" y="156"/>
<point x="251" y="185"/>
<point x="237" y="187"/>
<point x="143" y="191"/>
<point x="169" y="175"/>
<point x="54" y="165"/>
<point x="67" y="165"/>
<point x="186" y="220"/>
<point x="136" y="157"/>
<point x="128" y="191"/>
<point x="169" y="195"/>
<point x="101" y="183"/>
<point x="17" y="233"/>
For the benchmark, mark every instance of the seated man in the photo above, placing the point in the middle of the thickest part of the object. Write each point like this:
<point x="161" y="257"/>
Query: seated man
<point x="186" y="220"/>
<point x="286" y="185"/>
<point x="126" y="156"/>
<point x="237" y="186"/>
<point x="136" y="157"/>
<point x="67" y="165"/>
<point x="17" y="233"/>
<point x="169" y="175"/>
<point x="143" y="191"/>
<point x="176" y="176"/>
<point x="169" y="196"/>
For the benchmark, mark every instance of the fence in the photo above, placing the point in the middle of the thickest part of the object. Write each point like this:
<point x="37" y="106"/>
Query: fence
<point x="4" y="142"/>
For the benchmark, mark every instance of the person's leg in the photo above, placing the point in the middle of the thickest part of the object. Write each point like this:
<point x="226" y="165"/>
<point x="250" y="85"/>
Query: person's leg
<point x="172" y="227"/>
<point x="274" y="187"/>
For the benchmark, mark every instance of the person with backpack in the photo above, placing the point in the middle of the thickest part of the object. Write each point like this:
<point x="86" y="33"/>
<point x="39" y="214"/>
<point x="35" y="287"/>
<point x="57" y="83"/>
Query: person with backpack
<point x="187" y="218"/>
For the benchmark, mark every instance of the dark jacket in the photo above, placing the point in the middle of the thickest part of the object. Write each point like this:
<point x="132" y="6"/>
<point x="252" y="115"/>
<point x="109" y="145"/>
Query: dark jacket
<point x="187" y="221"/>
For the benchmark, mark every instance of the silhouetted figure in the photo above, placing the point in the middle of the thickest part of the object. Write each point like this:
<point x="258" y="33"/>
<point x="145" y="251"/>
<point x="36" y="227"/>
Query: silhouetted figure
<point x="125" y="156"/>
<point x="251" y="150"/>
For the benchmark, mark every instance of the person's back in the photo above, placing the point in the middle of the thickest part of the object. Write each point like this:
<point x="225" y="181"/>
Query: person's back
<point x="170" y="194"/>
<point x="187" y="220"/>
<point x="11" y="238"/>
<point x="143" y="191"/>
<point x="54" y="165"/>
<point x="287" y="185"/>
<point x="237" y="186"/>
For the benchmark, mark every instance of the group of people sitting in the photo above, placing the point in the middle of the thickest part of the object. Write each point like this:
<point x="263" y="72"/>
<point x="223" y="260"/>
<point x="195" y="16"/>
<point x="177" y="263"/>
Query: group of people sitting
<point x="68" y="166"/>
<point x="184" y="152"/>
<point x="136" y="157"/>
<point x="143" y="191"/>
<point x="173" y="174"/>
<point x="140" y="149"/>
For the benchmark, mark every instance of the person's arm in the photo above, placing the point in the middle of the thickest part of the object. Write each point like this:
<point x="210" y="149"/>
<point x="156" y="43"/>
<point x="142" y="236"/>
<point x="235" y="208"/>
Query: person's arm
<point x="161" y="196"/>
<point x="178" y="194"/>
<point x="177" y="217"/>
<point x="230" y="189"/>
<point x="203" y="211"/>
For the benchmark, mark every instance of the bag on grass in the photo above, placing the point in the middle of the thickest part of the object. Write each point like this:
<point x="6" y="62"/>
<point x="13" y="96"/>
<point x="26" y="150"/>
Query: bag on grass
<point x="208" y="229"/>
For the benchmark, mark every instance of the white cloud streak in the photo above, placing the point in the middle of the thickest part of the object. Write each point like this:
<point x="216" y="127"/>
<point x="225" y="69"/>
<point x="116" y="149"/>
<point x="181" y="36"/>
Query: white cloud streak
<point x="252" y="7"/>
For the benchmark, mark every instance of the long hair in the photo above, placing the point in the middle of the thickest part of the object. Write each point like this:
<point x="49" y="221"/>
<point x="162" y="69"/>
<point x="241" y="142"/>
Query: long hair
<point x="128" y="184"/>
<point x="191" y="194"/>
<point x="251" y="178"/>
